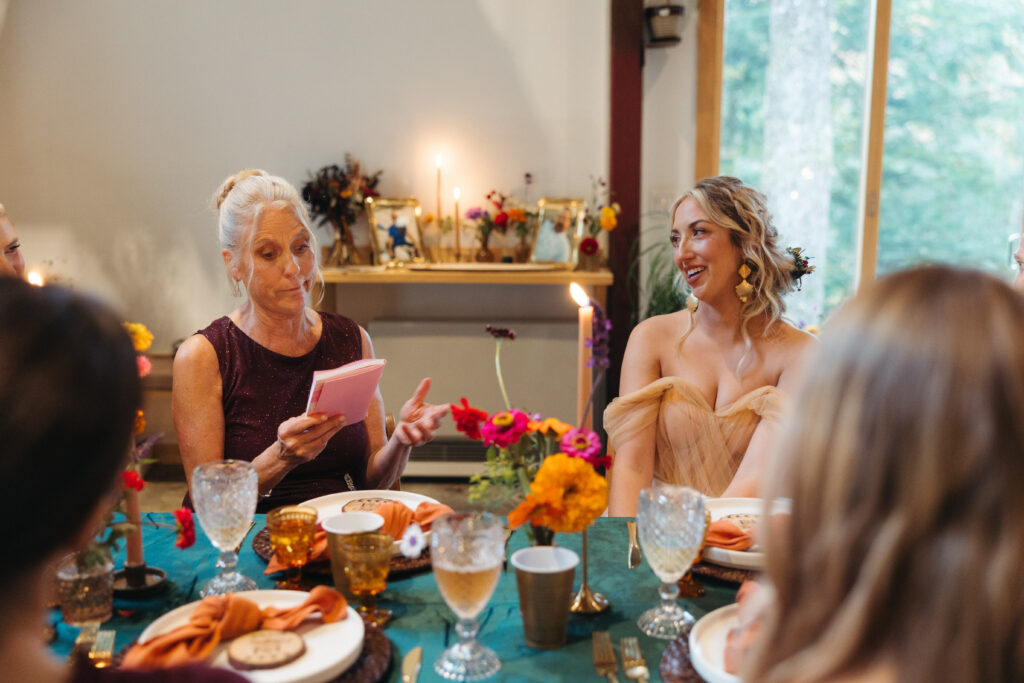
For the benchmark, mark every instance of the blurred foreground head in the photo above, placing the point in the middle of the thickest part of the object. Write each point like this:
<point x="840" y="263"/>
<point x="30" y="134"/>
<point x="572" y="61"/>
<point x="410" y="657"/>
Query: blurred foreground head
<point x="69" y="389"/>
<point x="904" y="459"/>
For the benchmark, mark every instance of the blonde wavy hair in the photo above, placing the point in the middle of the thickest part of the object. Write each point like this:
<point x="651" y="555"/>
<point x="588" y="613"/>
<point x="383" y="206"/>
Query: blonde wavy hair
<point x="239" y="202"/>
<point x="904" y="460"/>
<point x="734" y="205"/>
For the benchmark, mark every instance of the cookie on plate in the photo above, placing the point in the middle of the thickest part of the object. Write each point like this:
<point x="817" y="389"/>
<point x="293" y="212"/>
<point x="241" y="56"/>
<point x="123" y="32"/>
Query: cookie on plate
<point x="265" y="649"/>
<point x="364" y="504"/>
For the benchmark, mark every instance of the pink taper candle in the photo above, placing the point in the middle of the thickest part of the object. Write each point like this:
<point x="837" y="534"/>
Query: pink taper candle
<point x="583" y="375"/>
<point x="133" y="543"/>
<point x="439" y="214"/>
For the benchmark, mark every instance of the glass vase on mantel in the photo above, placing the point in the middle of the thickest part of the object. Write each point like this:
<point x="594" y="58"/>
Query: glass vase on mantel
<point x="484" y="253"/>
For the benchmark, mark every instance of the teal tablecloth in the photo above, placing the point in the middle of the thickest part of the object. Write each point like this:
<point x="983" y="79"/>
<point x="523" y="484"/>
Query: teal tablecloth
<point x="422" y="618"/>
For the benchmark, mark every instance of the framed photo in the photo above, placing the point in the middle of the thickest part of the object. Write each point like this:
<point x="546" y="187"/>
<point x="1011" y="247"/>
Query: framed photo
<point x="558" y="230"/>
<point x="395" y="233"/>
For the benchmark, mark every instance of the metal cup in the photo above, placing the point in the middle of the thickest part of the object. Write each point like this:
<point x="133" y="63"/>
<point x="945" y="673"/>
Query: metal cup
<point x="544" y="577"/>
<point x="340" y="526"/>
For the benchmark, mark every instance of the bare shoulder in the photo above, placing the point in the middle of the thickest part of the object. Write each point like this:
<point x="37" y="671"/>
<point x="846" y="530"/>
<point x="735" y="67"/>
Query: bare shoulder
<point x="788" y="350"/>
<point x="660" y="328"/>
<point x="195" y="356"/>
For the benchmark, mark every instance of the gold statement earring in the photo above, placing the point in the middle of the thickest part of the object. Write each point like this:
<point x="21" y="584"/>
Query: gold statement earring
<point x="744" y="289"/>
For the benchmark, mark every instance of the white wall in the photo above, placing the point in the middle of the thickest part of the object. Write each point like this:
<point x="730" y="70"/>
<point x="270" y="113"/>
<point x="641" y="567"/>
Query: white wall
<point x="669" y="125"/>
<point x="120" y="119"/>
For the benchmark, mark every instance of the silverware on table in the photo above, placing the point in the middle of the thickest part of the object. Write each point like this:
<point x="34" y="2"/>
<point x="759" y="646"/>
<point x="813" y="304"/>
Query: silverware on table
<point x="633" y="560"/>
<point x="633" y="664"/>
<point x="411" y="665"/>
<point x="604" y="656"/>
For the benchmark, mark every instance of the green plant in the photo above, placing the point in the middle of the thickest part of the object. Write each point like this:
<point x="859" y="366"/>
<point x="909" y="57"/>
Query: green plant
<point x="664" y="290"/>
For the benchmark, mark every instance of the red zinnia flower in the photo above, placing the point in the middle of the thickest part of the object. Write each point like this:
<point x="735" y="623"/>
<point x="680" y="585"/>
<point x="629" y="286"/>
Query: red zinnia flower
<point x="130" y="479"/>
<point x="589" y="246"/>
<point x="185" y="527"/>
<point x="468" y="419"/>
<point x="501" y="220"/>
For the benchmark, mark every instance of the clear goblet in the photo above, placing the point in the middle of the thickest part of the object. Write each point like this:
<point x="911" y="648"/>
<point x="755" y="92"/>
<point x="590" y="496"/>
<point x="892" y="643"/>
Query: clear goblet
<point x="670" y="520"/>
<point x="467" y="551"/>
<point x="224" y="493"/>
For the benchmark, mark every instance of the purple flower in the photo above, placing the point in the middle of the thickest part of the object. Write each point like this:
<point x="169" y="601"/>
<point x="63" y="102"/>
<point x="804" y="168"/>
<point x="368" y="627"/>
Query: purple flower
<point x="475" y="213"/>
<point x="501" y="332"/>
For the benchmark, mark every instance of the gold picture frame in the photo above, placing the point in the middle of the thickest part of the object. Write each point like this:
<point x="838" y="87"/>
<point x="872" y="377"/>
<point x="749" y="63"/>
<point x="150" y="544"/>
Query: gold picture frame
<point x="395" y="231"/>
<point x="558" y="230"/>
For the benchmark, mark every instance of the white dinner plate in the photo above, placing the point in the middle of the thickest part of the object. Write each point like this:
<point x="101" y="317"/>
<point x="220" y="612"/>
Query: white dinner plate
<point x="330" y="648"/>
<point x="707" y="644"/>
<point x="330" y="505"/>
<point x="739" y="559"/>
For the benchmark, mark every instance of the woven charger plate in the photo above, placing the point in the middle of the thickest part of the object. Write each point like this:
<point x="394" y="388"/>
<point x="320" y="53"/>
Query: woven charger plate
<point x="373" y="663"/>
<point x="400" y="565"/>
<point x="675" y="666"/>
<point x="715" y="571"/>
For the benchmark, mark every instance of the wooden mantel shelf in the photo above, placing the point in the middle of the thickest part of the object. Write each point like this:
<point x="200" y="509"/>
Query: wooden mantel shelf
<point x="497" y="275"/>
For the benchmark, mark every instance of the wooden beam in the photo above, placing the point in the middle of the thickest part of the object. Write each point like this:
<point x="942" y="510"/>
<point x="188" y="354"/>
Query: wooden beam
<point x="874" y="141"/>
<point x="626" y="124"/>
<point x="710" y="47"/>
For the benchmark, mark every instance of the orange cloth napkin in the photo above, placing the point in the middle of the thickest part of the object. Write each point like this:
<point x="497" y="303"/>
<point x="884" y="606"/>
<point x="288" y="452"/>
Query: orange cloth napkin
<point x="397" y="516"/>
<point x="223" y="617"/>
<point x="724" y="534"/>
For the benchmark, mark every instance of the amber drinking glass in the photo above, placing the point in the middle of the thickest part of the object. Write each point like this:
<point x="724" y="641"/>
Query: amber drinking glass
<point x="292" y="529"/>
<point x="367" y="559"/>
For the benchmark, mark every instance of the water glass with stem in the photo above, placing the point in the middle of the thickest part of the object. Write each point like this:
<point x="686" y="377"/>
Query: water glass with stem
<point x="670" y="520"/>
<point x="224" y="493"/>
<point x="467" y="552"/>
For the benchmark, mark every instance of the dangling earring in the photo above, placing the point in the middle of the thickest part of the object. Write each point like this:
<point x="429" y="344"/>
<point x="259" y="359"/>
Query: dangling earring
<point x="744" y="289"/>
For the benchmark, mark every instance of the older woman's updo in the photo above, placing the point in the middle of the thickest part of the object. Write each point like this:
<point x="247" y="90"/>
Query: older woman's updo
<point x="734" y="205"/>
<point x="241" y="199"/>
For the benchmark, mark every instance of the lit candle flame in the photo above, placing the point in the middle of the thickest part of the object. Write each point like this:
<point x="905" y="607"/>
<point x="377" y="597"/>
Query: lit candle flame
<point x="456" y="193"/>
<point x="579" y="295"/>
<point x="439" y="159"/>
<point x="35" y="278"/>
<point x="418" y="211"/>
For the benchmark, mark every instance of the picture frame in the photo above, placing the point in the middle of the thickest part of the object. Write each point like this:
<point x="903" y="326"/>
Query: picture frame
<point x="558" y="230"/>
<point x="395" y="232"/>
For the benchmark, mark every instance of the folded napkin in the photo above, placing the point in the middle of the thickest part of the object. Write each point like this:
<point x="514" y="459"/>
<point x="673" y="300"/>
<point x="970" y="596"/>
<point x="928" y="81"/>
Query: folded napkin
<point x="724" y="534"/>
<point x="223" y="617"/>
<point x="397" y="516"/>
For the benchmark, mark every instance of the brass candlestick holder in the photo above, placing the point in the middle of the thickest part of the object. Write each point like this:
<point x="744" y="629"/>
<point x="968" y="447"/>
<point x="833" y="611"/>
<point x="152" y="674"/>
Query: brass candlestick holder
<point x="587" y="601"/>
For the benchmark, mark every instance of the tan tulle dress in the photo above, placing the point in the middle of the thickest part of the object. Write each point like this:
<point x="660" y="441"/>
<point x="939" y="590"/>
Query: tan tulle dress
<point x="696" y="445"/>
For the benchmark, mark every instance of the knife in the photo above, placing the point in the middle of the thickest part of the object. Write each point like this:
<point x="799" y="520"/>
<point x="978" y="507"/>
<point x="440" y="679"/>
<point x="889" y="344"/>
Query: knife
<point x="411" y="665"/>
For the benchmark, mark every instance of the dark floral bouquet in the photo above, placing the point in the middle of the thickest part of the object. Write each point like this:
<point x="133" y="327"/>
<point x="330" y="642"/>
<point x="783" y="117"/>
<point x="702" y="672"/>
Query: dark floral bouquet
<point x="336" y="196"/>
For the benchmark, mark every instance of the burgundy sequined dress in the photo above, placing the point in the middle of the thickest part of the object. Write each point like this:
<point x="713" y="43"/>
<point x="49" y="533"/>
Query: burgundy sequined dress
<point x="261" y="389"/>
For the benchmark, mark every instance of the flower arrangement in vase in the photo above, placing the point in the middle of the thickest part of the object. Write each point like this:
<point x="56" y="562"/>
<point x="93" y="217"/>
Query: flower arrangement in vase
<point x="336" y="196"/>
<point x="602" y="219"/>
<point x="519" y="446"/>
<point x="504" y="218"/>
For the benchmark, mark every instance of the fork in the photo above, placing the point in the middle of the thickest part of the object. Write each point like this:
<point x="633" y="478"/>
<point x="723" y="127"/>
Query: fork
<point x="633" y="559"/>
<point x="633" y="664"/>
<point x="604" y="656"/>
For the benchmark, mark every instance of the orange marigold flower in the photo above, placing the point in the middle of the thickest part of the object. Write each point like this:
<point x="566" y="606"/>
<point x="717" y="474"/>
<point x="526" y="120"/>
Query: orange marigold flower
<point x="550" y="424"/>
<point x="565" y="496"/>
<point x="140" y="422"/>
<point x="142" y="338"/>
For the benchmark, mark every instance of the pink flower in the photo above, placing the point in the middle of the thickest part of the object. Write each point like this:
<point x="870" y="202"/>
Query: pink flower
<point x="583" y="443"/>
<point x="185" y="527"/>
<point x="505" y="428"/>
<point x="144" y="365"/>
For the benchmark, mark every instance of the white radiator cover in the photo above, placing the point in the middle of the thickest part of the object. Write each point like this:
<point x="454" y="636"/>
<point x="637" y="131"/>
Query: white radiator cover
<point x="539" y="366"/>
